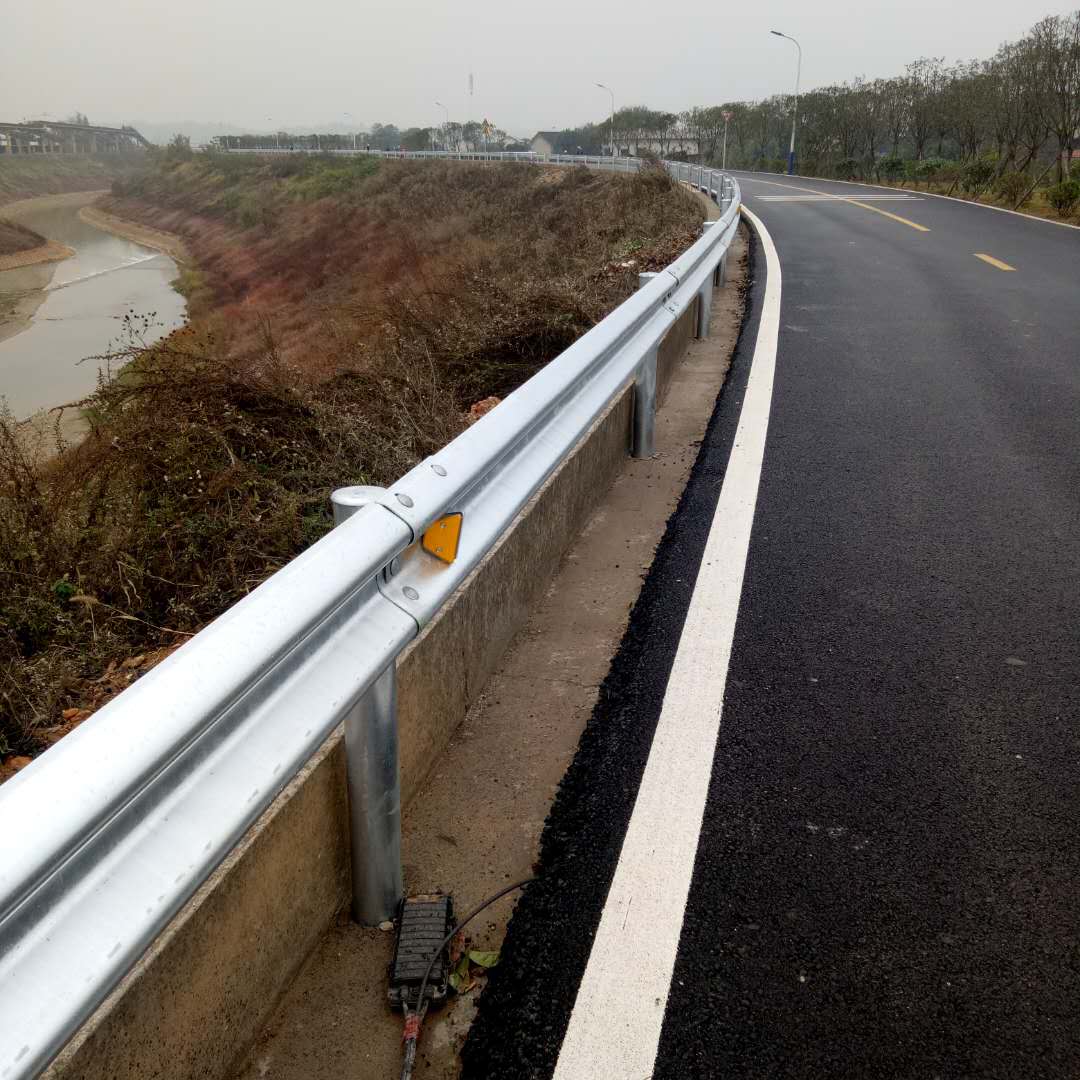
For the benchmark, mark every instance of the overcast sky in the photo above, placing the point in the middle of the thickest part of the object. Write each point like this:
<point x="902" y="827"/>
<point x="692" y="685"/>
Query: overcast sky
<point x="266" y="63"/>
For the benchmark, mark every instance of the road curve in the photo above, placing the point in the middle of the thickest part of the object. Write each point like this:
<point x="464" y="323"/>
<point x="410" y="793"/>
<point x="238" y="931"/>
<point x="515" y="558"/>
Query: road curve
<point x="883" y="858"/>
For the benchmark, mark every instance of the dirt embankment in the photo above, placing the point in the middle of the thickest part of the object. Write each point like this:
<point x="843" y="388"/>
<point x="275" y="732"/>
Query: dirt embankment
<point x="20" y="246"/>
<point x="346" y="317"/>
<point x="156" y="239"/>
<point x="15" y="238"/>
<point x="24" y="176"/>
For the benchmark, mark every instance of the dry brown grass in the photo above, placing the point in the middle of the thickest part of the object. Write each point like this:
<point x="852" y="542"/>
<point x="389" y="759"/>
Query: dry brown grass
<point x="338" y="339"/>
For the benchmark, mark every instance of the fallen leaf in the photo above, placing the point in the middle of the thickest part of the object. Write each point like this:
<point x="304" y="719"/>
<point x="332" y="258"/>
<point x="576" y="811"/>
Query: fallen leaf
<point x="484" y="959"/>
<point x="460" y="978"/>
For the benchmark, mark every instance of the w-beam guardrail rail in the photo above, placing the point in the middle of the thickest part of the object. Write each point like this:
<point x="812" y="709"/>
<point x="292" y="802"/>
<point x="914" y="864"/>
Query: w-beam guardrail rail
<point x="106" y="835"/>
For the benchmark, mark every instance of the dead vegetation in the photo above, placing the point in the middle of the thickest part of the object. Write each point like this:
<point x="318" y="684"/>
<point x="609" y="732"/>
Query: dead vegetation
<point x="339" y="338"/>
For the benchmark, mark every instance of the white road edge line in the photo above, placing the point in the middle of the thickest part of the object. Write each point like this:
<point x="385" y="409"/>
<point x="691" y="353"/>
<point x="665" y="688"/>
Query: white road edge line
<point x="614" y="1029"/>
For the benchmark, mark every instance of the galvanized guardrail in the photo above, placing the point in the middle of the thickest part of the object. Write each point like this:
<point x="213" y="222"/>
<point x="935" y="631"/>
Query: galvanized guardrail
<point x="106" y="835"/>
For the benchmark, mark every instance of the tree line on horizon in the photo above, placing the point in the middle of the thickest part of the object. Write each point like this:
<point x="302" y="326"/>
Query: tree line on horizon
<point x="1014" y="115"/>
<point x="1019" y="108"/>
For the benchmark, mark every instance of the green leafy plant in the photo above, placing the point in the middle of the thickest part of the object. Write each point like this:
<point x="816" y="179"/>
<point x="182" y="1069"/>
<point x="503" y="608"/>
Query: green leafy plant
<point x="1012" y="187"/>
<point x="976" y="175"/>
<point x="891" y="168"/>
<point x="1064" y="197"/>
<point x="64" y="590"/>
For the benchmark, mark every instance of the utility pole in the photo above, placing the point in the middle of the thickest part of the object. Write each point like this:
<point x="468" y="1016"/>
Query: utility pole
<point x="611" y="130"/>
<point x="795" y="111"/>
<point x="727" y="116"/>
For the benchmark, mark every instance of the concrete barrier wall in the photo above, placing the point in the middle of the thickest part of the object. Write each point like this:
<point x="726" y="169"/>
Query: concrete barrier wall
<point x="199" y="997"/>
<point x="673" y="348"/>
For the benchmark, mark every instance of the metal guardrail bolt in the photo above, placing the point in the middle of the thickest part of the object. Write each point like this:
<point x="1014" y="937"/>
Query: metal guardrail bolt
<point x="403" y="499"/>
<point x="437" y="469"/>
<point x="411" y="593"/>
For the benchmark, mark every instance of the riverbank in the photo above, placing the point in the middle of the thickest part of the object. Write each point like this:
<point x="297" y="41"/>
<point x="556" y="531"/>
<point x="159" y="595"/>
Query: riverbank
<point x="50" y="251"/>
<point x="156" y="239"/>
<point x="24" y="176"/>
<point x="62" y="322"/>
<point x="17" y="310"/>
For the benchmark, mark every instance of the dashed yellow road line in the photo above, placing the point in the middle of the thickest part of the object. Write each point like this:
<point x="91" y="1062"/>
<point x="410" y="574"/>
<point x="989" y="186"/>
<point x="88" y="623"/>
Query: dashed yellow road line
<point x="994" y="262"/>
<point x="844" y="198"/>
<point x="885" y="213"/>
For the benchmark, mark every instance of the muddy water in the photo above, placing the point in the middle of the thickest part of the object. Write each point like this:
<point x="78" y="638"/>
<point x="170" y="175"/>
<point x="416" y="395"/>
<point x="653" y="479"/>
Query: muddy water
<point x="54" y="317"/>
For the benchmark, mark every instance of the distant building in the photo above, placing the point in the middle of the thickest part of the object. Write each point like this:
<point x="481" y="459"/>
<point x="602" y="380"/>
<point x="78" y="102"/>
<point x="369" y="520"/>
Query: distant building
<point x="545" y="142"/>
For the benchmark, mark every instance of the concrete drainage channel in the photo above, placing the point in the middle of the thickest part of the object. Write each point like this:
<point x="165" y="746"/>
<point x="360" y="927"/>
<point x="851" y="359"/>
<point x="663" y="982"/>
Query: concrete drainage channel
<point x="475" y="824"/>
<point x="475" y="793"/>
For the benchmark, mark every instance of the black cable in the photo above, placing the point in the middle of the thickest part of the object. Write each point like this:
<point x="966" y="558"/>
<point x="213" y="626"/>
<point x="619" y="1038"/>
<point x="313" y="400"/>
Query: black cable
<point x="412" y="1037"/>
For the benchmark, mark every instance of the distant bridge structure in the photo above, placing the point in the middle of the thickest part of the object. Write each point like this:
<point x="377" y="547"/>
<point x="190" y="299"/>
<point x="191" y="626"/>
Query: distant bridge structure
<point x="56" y="137"/>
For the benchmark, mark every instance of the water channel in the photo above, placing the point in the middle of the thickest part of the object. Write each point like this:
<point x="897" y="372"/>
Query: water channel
<point x="55" y="317"/>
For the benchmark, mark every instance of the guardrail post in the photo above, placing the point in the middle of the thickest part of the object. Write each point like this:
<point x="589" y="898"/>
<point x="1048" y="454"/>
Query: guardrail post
<point x="644" y="436"/>
<point x="371" y="763"/>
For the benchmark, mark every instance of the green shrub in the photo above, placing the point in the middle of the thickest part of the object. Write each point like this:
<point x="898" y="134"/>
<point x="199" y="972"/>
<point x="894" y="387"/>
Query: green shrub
<point x="929" y="169"/>
<point x="179" y="149"/>
<point x="1012" y="186"/>
<point x="891" y="168"/>
<point x="847" y="169"/>
<point x="976" y="175"/>
<point x="1064" y="197"/>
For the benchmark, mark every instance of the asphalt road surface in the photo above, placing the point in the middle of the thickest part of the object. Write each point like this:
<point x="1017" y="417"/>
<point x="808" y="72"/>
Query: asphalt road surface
<point x="825" y="820"/>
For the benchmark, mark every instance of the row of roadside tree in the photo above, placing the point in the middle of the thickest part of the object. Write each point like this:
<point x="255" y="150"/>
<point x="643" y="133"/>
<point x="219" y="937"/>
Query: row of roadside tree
<point x="1011" y="122"/>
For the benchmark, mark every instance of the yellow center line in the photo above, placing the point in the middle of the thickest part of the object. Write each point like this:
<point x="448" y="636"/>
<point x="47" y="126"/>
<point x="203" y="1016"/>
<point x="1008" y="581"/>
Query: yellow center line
<point x="994" y="262"/>
<point x="845" y="199"/>
<point x="885" y="213"/>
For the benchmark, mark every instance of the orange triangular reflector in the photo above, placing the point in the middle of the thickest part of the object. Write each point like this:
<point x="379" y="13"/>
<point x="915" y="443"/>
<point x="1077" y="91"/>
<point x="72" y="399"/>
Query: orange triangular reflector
<point x="441" y="539"/>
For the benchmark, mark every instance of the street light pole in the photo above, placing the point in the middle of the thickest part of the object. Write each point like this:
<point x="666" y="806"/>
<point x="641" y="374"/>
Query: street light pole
<point x="795" y="111"/>
<point x="611" y="131"/>
<point x="446" y="124"/>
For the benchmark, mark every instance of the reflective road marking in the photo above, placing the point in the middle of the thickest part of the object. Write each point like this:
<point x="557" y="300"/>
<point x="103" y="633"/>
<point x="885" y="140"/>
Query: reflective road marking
<point x="994" y="262"/>
<point x="614" y="1029"/>
<point x="843" y="198"/>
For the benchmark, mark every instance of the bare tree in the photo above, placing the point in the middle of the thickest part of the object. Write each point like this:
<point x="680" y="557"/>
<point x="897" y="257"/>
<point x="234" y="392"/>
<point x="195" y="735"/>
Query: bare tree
<point x="1057" y="67"/>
